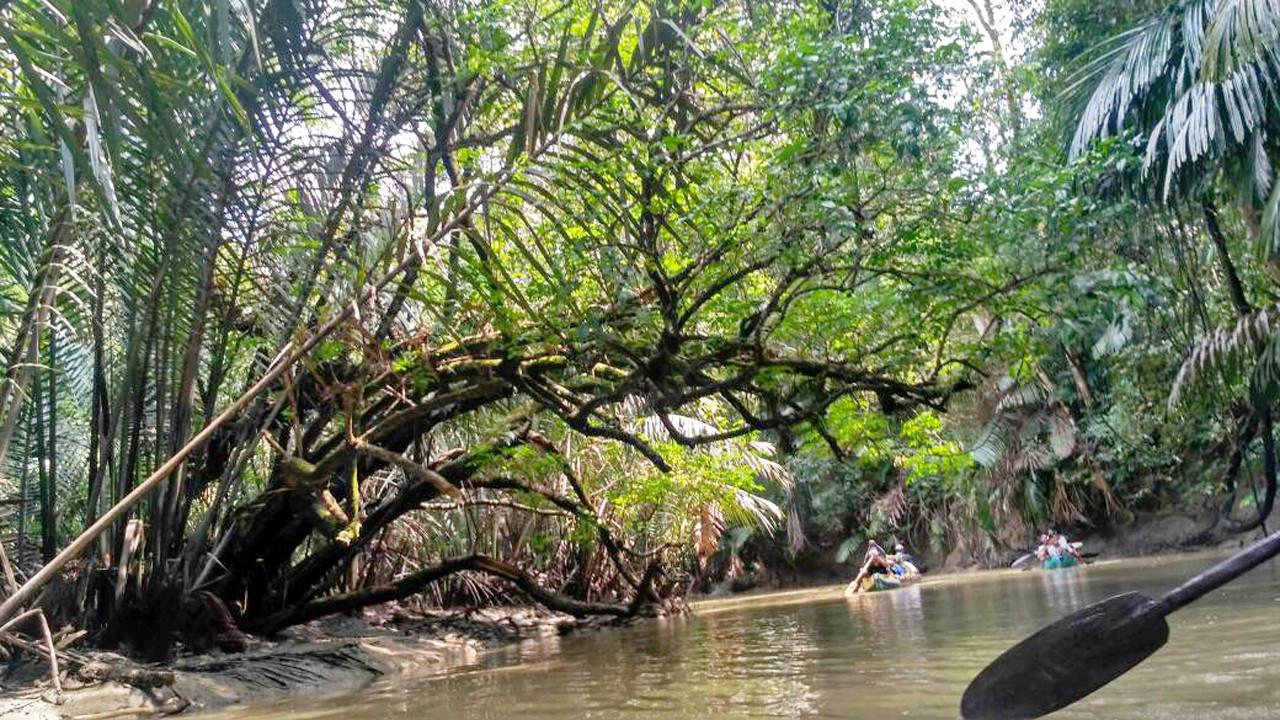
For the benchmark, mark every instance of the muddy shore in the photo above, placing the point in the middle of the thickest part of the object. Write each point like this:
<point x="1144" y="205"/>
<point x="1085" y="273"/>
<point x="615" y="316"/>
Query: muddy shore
<point x="333" y="656"/>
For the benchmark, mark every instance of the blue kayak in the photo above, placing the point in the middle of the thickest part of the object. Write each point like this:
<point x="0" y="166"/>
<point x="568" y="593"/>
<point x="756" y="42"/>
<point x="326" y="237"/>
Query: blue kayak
<point x="1059" y="562"/>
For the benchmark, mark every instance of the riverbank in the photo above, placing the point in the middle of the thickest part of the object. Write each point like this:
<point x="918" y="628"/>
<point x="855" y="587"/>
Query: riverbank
<point x="909" y="652"/>
<point x="1166" y="532"/>
<point x="340" y="655"/>
<point x="337" y="655"/>
<point x="768" y="598"/>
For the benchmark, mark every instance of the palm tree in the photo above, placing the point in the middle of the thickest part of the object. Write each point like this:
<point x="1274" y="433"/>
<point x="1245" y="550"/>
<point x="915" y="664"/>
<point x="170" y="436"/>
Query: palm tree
<point x="1197" y="84"/>
<point x="1196" y="88"/>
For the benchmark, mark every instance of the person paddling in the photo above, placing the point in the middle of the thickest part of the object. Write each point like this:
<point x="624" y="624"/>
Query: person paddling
<point x="1065" y="546"/>
<point x="1042" y="549"/>
<point x="877" y="561"/>
<point x="873" y="547"/>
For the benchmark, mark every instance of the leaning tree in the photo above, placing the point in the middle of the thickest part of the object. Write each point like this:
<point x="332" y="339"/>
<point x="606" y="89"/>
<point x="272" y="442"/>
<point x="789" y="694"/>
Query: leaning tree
<point x="395" y="258"/>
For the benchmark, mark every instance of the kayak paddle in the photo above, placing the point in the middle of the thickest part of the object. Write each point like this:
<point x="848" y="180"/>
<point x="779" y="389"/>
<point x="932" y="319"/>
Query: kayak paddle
<point x="1089" y="648"/>
<point x="1026" y="559"/>
<point x="1024" y="562"/>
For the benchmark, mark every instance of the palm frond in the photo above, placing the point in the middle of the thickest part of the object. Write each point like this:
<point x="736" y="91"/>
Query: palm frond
<point x="653" y="427"/>
<point x="1264" y="379"/>
<point x="768" y="470"/>
<point x="993" y="443"/>
<point x="1114" y="338"/>
<point x="753" y="510"/>
<point x="1271" y="215"/>
<point x="892" y="506"/>
<point x="1122" y="75"/>
<point x="1242" y="33"/>
<point x="1062" y="434"/>
<point x="1224" y="349"/>
<point x="706" y="532"/>
<point x="1199" y="81"/>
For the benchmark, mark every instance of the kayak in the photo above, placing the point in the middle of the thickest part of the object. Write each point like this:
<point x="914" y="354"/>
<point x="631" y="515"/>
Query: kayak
<point x="1059" y="562"/>
<point x="1024" y="562"/>
<point x="877" y="583"/>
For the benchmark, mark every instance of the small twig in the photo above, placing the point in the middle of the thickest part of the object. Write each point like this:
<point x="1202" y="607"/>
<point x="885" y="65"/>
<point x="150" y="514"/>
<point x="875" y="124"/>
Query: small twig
<point x="274" y="445"/>
<point x="410" y="468"/>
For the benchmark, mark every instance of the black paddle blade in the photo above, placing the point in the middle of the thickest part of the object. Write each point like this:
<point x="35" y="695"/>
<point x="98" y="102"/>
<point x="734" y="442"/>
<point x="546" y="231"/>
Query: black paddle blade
<point x="1067" y="660"/>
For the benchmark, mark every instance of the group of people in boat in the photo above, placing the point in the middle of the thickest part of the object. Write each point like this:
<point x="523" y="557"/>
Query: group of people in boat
<point x="897" y="566"/>
<point x="1055" y="550"/>
<point x="883" y="570"/>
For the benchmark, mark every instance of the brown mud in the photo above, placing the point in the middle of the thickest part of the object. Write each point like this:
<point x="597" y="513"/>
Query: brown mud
<point x="334" y="656"/>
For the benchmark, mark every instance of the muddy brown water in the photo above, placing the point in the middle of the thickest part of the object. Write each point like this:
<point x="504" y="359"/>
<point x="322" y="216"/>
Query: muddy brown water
<point x="900" y="654"/>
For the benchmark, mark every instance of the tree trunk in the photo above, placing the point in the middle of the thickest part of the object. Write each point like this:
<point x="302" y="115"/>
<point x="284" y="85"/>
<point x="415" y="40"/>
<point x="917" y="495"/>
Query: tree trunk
<point x="42" y="476"/>
<point x="49" y="545"/>
<point x="99" y="413"/>
<point x="24" y="492"/>
<point x="1243" y="309"/>
<point x="26" y="349"/>
<point x="181" y="424"/>
<point x="1234" y="287"/>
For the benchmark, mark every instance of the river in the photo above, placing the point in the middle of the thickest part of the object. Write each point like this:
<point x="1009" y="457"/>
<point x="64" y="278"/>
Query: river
<point x="905" y="653"/>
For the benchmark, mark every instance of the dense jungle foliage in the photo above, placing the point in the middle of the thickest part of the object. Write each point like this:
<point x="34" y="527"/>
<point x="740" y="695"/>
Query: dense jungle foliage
<point x="595" y="302"/>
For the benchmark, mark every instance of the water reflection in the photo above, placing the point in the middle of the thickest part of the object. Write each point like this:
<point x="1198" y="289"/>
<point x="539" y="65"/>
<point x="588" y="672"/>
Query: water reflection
<point x="891" y="617"/>
<point x="900" y="653"/>
<point x="764" y="664"/>
<point x="1064" y="589"/>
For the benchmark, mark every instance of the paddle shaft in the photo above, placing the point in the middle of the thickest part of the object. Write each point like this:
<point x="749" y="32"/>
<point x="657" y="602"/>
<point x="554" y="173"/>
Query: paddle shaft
<point x="1221" y="574"/>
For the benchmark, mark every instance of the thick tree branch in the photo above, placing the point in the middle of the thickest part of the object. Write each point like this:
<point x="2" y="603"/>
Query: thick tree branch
<point x="419" y="581"/>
